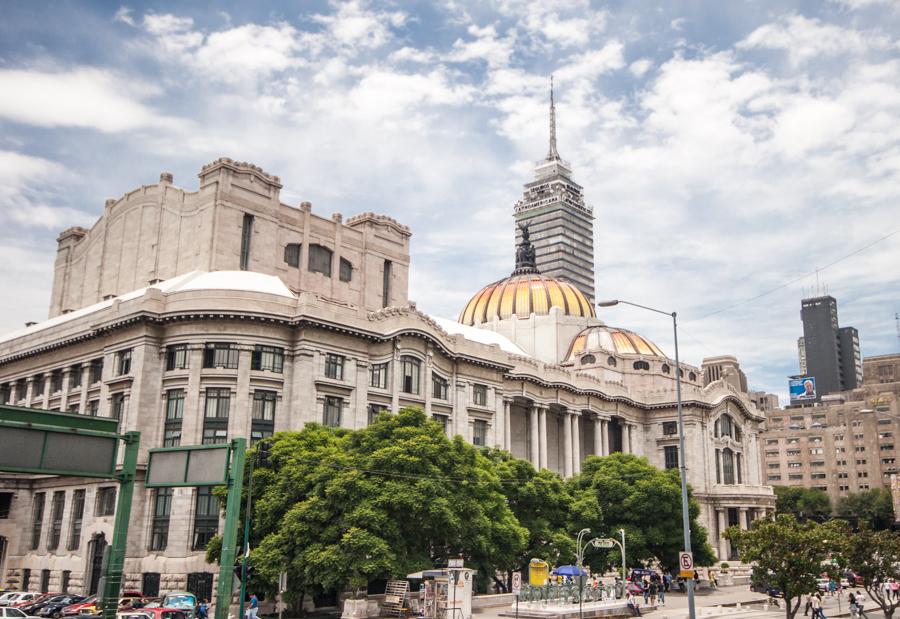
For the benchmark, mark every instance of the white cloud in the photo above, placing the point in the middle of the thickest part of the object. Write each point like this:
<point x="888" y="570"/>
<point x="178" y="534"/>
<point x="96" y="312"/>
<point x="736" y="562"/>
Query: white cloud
<point x="354" y="26"/>
<point x="487" y="46"/>
<point x="805" y="39"/>
<point x="81" y="97"/>
<point x="27" y="183"/>
<point x="639" y="67"/>
<point x="124" y="15"/>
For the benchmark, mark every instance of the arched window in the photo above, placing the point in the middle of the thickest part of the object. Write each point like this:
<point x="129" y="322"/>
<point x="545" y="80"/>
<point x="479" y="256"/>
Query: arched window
<point x="692" y="376"/>
<point x="641" y="365"/>
<point x="292" y="254"/>
<point x="611" y="362"/>
<point x="725" y="426"/>
<point x="410" y="368"/>
<point x="727" y="466"/>
<point x="346" y="270"/>
<point x="588" y="359"/>
<point x="320" y="260"/>
<point x="680" y="373"/>
<point x="665" y="368"/>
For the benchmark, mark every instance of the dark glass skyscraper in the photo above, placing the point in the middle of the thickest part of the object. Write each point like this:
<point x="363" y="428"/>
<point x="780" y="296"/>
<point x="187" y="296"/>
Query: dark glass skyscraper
<point x="831" y="352"/>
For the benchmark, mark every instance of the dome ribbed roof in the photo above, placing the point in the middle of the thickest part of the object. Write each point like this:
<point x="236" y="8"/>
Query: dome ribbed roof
<point x="522" y="295"/>
<point x="612" y="340"/>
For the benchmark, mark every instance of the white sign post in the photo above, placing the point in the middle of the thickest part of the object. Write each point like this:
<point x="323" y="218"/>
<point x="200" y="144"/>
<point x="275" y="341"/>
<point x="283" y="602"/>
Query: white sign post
<point x="686" y="564"/>
<point x="517" y="588"/>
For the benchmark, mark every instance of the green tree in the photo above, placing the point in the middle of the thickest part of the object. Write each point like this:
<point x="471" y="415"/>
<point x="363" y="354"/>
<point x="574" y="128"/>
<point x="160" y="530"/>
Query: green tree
<point x="875" y="557"/>
<point x="791" y="553"/>
<point x="623" y="491"/>
<point x="540" y="501"/>
<point x="341" y="508"/>
<point x="802" y="503"/>
<point x="871" y="508"/>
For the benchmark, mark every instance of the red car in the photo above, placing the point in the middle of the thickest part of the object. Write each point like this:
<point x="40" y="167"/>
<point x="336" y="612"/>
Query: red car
<point x="154" y="613"/>
<point x="75" y="609"/>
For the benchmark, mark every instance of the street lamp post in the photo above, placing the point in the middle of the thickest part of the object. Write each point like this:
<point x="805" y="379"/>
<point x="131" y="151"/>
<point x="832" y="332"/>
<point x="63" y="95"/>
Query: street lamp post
<point x="579" y="552"/>
<point x="685" y="517"/>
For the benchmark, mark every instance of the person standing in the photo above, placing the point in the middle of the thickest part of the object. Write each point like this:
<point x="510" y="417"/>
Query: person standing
<point x="860" y="605"/>
<point x="254" y="607"/>
<point x="203" y="609"/>
<point x="713" y="581"/>
<point x="895" y="587"/>
<point x="654" y="591"/>
<point x="808" y="605"/>
<point x="645" y="585"/>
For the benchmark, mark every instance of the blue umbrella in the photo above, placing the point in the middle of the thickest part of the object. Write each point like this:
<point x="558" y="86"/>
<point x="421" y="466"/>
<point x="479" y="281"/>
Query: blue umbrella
<point x="569" y="570"/>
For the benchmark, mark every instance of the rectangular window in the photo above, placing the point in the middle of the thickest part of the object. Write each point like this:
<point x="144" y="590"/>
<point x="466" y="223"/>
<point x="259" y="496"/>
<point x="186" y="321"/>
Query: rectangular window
<point x="774" y="478"/>
<point x="793" y="440"/>
<point x="439" y="387"/>
<point x="320" y="260"/>
<point x="444" y="420"/>
<point x="479" y="395"/>
<point x="671" y="456"/>
<point x="374" y="410"/>
<point x="37" y="389"/>
<point x="794" y="465"/>
<point x="77" y="516"/>
<point x="792" y="452"/>
<point x="26" y="579"/>
<point x="246" y="235"/>
<point x="221" y="355"/>
<point x="886" y="447"/>
<point x="267" y="358"/>
<point x="218" y="402"/>
<point x="670" y="428"/>
<point x="334" y="366"/>
<point x="815" y="439"/>
<point x="106" y="501"/>
<point x="818" y="476"/>
<point x="56" y="381"/>
<point x="292" y="254"/>
<point x="96" y="372"/>
<point x="332" y="416"/>
<point x="45" y="581"/>
<point x="817" y="463"/>
<point x="888" y="460"/>
<point x="150" y="584"/>
<point x="771" y="441"/>
<point x="838" y="438"/>
<point x="56" y="517"/>
<point x="93" y="408"/>
<point x="174" y="417"/>
<point x="378" y="375"/>
<point x="162" y="511"/>
<point x="64" y="584"/>
<point x="21" y="390"/>
<point x="774" y="465"/>
<point x="885" y="434"/>
<point x="214" y="436"/>
<point x="479" y="433"/>
<point x="75" y="377"/>
<point x="123" y="362"/>
<point x="263" y="415"/>
<point x="816" y="451"/>
<point x="771" y="454"/>
<point x="177" y="357"/>
<point x="37" y="519"/>
<point x="117" y="406"/>
<point x="206" y="518"/>
<point x="861" y="462"/>
<point x="884" y="422"/>
<point x="346" y="270"/>
<point x="409" y="371"/>
<point x="5" y="504"/>
<point x="386" y="284"/>
<point x="795" y="476"/>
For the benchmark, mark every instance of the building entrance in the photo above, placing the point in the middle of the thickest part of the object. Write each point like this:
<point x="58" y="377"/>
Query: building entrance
<point x="98" y="547"/>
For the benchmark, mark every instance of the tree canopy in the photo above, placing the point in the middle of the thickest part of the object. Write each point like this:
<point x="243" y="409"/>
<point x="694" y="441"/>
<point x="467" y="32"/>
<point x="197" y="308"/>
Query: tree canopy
<point x="802" y="503"/>
<point x="870" y="508"/>
<point x="791" y="554"/>
<point x="623" y="491"/>
<point x="875" y="557"/>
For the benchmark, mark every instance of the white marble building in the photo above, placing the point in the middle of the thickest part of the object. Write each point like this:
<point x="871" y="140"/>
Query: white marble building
<point x="196" y="317"/>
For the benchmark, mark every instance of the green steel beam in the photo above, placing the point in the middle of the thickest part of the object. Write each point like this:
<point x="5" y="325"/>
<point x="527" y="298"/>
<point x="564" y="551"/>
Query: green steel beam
<point x="115" y="562"/>
<point x="67" y="422"/>
<point x="229" y="535"/>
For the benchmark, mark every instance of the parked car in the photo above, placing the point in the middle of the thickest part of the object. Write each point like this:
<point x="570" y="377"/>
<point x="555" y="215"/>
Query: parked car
<point x="54" y="606"/>
<point x="181" y="600"/>
<point x="154" y="613"/>
<point x="30" y="608"/>
<point x="6" y="596"/>
<point x="12" y="613"/>
<point x="14" y="597"/>
<point x="85" y="606"/>
<point x="822" y="583"/>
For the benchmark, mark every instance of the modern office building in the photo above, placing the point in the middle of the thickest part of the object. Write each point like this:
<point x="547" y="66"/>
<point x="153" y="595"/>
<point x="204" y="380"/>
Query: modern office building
<point x="560" y="224"/>
<point x="846" y="443"/>
<point x="827" y="352"/>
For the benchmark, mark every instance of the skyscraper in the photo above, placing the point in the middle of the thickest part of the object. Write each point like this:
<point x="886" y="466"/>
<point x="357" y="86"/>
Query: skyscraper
<point x="831" y="352"/>
<point x="561" y="225"/>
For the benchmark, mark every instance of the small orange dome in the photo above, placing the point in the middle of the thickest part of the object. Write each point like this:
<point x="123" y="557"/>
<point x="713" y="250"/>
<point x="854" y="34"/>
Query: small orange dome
<point x="521" y="296"/>
<point x="612" y="340"/>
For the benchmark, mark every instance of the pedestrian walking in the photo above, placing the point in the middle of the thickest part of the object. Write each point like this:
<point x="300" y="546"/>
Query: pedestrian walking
<point x="654" y="591"/>
<point x="860" y="605"/>
<point x="254" y="607"/>
<point x="895" y="588"/>
<point x="662" y="593"/>
<point x="713" y="581"/>
<point x="808" y="605"/>
<point x="633" y="605"/>
<point x="818" y="611"/>
<point x="667" y="582"/>
<point x="203" y="609"/>
<point x="645" y="585"/>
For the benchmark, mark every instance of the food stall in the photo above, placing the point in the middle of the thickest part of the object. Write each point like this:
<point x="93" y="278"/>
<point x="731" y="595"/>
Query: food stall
<point x="446" y="593"/>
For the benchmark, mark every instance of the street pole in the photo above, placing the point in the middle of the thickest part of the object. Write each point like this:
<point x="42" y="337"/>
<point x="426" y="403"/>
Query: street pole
<point x="622" y="531"/>
<point x="685" y="516"/>
<point x="232" y="513"/>
<point x="246" y="547"/>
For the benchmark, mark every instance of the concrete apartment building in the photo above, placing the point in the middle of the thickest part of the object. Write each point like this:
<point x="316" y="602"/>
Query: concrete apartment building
<point x="847" y="443"/>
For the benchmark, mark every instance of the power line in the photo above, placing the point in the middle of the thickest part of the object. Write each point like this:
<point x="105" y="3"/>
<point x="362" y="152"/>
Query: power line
<point x="797" y="279"/>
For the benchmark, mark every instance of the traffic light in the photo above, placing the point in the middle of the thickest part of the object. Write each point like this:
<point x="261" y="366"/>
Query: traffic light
<point x="264" y="453"/>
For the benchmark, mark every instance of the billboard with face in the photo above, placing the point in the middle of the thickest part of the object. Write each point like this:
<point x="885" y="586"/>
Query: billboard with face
<point x="802" y="388"/>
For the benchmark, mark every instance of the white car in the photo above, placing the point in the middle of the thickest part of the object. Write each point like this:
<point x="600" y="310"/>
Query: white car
<point x="14" y="597"/>
<point x="13" y="613"/>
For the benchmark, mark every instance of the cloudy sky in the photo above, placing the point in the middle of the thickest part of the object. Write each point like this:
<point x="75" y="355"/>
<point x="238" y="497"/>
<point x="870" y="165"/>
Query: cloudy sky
<point x="729" y="149"/>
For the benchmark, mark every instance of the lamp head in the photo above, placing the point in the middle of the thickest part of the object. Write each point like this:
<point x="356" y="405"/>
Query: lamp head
<point x="609" y="303"/>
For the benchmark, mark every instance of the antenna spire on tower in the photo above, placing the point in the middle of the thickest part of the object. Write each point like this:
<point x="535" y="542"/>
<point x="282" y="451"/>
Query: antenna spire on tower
<point x="553" y="154"/>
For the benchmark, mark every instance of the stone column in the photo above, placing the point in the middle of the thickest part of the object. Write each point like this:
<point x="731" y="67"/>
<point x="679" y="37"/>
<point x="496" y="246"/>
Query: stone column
<point x="239" y="413"/>
<point x="64" y="394"/>
<point x="567" y="444"/>
<point x="604" y="428"/>
<point x="85" y="379"/>
<point x="507" y="426"/>
<point x="630" y="436"/>
<point x="533" y="434"/>
<point x="45" y="398"/>
<point x="598" y="436"/>
<point x="723" y="543"/>
<point x="744" y="519"/>
<point x="576" y="443"/>
<point x="542" y="436"/>
<point x="29" y="391"/>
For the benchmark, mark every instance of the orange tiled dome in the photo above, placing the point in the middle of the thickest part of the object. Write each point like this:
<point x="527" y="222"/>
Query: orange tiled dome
<point x="612" y="340"/>
<point x="522" y="295"/>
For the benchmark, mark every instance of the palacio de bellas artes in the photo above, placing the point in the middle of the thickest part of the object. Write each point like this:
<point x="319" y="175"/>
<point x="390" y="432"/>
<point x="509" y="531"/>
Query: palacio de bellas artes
<point x="383" y="218"/>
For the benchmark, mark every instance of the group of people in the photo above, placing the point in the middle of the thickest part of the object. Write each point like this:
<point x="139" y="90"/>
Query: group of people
<point x="856" y="600"/>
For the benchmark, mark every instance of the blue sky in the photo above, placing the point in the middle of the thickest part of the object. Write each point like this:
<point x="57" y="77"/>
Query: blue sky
<point x="727" y="148"/>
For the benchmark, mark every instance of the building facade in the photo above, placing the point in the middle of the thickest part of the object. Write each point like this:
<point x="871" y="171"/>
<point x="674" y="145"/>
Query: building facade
<point x="560" y="223"/>
<point x="827" y="352"/>
<point x="259" y="329"/>
<point x="846" y="443"/>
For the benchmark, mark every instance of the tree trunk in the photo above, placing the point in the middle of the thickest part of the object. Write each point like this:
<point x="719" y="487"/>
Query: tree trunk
<point x="501" y="586"/>
<point x="788" y="611"/>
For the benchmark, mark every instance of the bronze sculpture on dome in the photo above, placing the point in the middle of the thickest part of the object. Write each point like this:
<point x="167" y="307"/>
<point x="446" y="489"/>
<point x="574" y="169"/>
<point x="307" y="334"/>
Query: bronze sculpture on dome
<point x="525" y="257"/>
